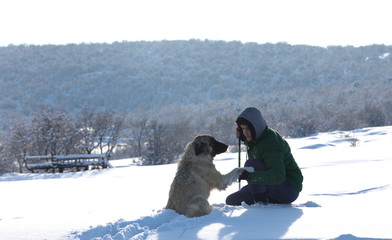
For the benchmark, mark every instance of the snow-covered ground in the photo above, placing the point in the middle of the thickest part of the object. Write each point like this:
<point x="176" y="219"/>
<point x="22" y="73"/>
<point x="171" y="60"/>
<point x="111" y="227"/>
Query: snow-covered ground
<point x="347" y="195"/>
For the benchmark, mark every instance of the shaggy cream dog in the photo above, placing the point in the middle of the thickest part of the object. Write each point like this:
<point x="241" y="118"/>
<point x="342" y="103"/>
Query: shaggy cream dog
<point x="196" y="176"/>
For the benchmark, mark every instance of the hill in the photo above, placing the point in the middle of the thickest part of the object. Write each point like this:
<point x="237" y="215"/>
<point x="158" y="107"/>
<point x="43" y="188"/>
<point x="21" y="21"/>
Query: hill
<point x="168" y="80"/>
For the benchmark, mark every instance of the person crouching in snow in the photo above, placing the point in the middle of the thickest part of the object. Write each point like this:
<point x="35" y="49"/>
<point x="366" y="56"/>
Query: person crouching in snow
<point x="276" y="177"/>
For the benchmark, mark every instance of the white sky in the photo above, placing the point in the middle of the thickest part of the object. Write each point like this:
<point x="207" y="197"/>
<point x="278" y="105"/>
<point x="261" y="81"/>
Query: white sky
<point x="311" y="22"/>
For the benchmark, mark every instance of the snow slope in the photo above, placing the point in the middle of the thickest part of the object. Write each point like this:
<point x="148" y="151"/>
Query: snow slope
<point x="347" y="195"/>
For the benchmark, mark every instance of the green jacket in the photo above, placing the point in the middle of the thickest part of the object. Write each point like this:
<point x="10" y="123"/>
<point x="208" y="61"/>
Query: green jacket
<point x="270" y="148"/>
<point x="275" y="153"/>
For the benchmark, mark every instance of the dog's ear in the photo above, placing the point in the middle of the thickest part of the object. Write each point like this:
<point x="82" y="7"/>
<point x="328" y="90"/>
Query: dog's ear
<point x="199" y="147"/>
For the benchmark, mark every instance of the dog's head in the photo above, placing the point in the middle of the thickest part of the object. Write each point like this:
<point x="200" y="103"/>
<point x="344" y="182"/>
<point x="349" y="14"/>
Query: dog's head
<point x="208" y="145"/>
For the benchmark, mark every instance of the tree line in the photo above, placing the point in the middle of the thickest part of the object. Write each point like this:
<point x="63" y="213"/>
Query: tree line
<point x="152" y="139"/>
<point x="52" y="132"/>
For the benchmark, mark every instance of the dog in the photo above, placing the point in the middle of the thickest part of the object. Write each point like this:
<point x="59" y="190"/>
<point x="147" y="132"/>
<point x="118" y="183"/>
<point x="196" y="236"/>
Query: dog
<point x="196" y="176"/>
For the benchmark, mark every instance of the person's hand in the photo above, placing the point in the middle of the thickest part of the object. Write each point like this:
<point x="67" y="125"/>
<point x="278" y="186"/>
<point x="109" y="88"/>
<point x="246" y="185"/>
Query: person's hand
<point x="245" y="175"/>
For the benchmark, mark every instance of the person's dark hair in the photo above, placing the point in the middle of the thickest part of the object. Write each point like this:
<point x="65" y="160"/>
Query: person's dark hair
<point x="243" y="121"/>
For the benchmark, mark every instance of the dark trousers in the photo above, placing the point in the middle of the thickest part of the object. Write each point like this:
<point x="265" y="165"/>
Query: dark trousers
<point x="252" y="193"/>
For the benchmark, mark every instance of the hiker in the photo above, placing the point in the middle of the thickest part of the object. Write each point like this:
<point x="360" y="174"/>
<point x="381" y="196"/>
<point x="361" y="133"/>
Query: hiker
<point x="276" y="177"/>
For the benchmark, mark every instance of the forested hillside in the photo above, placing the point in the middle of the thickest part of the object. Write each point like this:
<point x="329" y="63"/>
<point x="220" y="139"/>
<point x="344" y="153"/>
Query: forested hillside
<point x="324" y="88"/>
<point x="148" y="99"/>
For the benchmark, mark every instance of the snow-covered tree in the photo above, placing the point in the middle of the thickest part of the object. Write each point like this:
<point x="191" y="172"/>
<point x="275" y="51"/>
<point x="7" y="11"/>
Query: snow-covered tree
<point x="18" y="142"/>
<point x="7" y="164"/>
<point x="166" y="141"/>
<point x="53" y="132"/>
<point x="137" y="134"/>
<point x="88" y="132"/>
<point x="113" y="133"/>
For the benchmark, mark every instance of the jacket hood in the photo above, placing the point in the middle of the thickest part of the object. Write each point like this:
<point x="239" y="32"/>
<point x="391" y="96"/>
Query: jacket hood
<point x="252" y="116"/>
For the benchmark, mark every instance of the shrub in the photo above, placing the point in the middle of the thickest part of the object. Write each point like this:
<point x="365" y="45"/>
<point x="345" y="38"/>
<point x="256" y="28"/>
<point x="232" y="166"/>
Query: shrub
<point x="372" y="116"/>
<point x="302" y="127"/>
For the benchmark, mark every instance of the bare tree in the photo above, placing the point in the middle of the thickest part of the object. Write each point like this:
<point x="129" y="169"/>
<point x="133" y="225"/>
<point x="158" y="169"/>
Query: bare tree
<point x="88" y="133"/>
<point x="100" y="130"/>
<point x="101" y="126"/>
<point x="108" y="128"/>
<point x="53" y="132"/>
<point x="155" y="143"/>
<point x="114" y="133"/>
<point x="137" y="135"/>
<point x="166" y="142"/>
<point x="6" y="162"/>
<point x="180" y="133"/>
<point x="18" y="142"/>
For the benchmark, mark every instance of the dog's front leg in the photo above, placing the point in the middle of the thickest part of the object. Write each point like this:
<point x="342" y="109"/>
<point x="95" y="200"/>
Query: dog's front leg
<point x="231" y="177"/>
